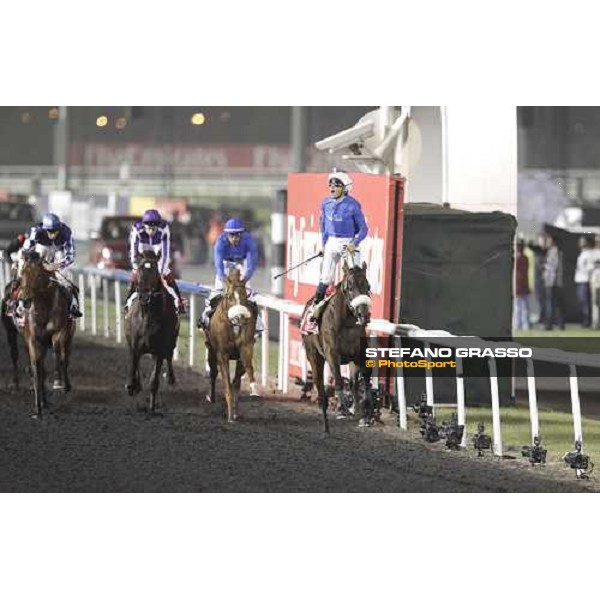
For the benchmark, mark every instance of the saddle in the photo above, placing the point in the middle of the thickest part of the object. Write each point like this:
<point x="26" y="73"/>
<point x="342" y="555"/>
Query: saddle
<point x="311" y="318"/>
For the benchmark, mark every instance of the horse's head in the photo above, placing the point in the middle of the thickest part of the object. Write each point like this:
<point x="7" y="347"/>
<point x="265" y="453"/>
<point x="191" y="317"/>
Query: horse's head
<point x="34" y="279"/>
<point x="236" y="297"/>
<point x="149" y="280"/>
<point x="356" y="290"/>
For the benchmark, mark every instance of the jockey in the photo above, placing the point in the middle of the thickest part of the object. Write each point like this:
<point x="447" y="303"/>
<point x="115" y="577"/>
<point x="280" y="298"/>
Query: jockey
<point x="343" y="228"/>
<point x="234" y="248"/>
<point x="53" y="241"/>
<point x="152" y="232"/>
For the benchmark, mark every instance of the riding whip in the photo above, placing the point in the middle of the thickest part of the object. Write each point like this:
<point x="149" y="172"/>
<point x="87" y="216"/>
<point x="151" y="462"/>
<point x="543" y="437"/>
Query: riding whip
<point x="299" y="265"/>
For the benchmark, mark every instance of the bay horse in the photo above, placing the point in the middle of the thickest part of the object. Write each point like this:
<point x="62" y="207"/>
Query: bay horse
<point x="12" y="333"/>
<point x="343" y="322"/>
<point x="151" y="327"/>
<point x="230" y="336"/>
<point x="47" y="325"/>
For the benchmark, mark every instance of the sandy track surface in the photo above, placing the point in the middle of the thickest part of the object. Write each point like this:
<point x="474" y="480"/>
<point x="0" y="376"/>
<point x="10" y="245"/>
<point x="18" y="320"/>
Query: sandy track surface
<point x="100" y="440"/>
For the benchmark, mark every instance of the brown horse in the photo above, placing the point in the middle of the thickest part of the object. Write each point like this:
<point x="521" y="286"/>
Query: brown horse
<point x="12" y="333"/>
<point x="151" y="327"/>
<point x="343" y="322"/>
<point x="230" y="336"/>
<point x="47" y="324"/>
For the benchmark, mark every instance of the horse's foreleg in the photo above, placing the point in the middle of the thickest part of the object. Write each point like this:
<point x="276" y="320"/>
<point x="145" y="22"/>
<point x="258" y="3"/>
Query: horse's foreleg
<point x="37" y="367"/>
<point x="237" y="382"/>
<point x="246" y="357"/>
<point x="158" y="361"/>
<point x="317" y="364"/>
<point x="170" y="372"/>
<point x="214" y="371"/>
<point x="58" y="366"/>
<point x="13" y="341"/>
<point x="334" y="363"/>
<point x="229" y="400"/>
<point x="134" y="385"/>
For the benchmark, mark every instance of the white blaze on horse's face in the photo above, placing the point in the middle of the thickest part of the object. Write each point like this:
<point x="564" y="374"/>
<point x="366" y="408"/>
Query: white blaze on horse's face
<point x="147" y="265"/>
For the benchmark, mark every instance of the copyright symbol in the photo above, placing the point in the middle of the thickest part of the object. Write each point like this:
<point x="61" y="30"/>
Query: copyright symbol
<point x="370" y="363"/>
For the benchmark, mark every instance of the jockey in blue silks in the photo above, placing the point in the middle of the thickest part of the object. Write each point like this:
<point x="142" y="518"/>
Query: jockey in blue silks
<point x="53" y="241"/>
<point x="343" y="228"/>
<point x="152" y="232"/>
<point x="235" y="248"/>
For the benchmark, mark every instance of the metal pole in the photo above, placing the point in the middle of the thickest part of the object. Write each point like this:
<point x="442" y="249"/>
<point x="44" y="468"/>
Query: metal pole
<point x="81" y="280"/>
<point x="105" y="307"/>
<point x="575" y="405"/>
<point x="299" y="136"/>
<point x="460" y="399"/>
<point x="192" y="330"/>
<point x="264" y="348"/>
<point x="278" y="241"/>
<point x="495" y="407"/>
<point x="533" y="410"/>
<point x="3" y="279"/>
<point x="375" y="380"/>
<point x="93" y="291"/>
<point x="401" y="392"/>
<point x="118" y="323"/>
<point x="61" y="148"/>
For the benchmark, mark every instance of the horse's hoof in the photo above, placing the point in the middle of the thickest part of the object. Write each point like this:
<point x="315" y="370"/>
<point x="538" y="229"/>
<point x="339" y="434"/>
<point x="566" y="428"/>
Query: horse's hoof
<point x="209" y="399"/>
<point x="36" y="416"/>
<point x="58" y="385"/>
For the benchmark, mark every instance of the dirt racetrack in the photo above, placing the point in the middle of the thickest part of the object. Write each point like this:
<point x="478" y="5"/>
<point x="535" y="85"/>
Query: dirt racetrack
<point x="99" y="440"/>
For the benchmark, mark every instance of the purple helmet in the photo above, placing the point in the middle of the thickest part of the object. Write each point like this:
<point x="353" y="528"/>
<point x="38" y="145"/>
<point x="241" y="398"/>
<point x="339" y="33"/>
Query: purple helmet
<point x="151" y="216"/>
<point x="234" y="226"/>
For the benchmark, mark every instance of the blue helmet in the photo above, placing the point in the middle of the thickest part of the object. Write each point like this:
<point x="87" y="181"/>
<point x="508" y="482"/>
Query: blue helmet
<point x="151" y="216"/>
<point x="50" y="222"/>
<point x="234" y="226"/>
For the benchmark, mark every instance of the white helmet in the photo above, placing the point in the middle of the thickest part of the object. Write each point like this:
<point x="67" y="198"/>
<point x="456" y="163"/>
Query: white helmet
<point x="343" y="177"/>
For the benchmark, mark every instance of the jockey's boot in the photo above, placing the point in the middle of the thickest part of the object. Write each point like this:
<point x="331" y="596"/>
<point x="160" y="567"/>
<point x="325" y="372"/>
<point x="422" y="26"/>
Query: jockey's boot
<point x="319" y="296"/>
<point x="132" y="289"/>
<point x="181" y="305"/>
<point x="74" y="309"/>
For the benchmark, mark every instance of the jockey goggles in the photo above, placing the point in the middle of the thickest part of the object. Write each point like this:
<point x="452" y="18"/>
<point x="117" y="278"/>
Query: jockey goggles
<point x="335" y="183"/>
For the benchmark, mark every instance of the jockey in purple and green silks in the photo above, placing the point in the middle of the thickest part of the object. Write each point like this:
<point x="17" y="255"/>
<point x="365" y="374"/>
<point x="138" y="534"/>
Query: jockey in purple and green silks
<point x="152" y="233"/>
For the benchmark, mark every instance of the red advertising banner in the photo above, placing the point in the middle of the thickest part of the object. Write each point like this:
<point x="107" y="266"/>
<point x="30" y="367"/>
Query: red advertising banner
<point x="381" y="198"/>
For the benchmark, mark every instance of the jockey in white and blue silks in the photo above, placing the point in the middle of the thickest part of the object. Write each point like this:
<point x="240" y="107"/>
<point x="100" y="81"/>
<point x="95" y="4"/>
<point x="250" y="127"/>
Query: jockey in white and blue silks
<point x="53" y="241"/>
<point x="152" y="233"/>
<point x="343" y="228"/>
<point x="235" y="248"/>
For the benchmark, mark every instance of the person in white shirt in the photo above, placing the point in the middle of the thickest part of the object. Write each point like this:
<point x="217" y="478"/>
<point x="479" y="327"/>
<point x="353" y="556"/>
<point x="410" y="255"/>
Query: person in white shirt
<point x="583" y="270"/>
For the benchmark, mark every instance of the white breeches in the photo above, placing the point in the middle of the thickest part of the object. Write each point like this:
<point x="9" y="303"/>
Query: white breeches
<point x="333" y="251"/>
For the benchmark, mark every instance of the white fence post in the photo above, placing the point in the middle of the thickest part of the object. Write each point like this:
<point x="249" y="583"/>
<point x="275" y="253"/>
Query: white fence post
<point x="118" y="323"/>
<point x="280" y="353"/>
<point x="428" y="380"/>
<point x="264" y="348"/>
<point x="495" y="407"/>
<point x="401" y="392"/>
<point x="105" y="307"/>
<point x="81" y="279"/>
<point x="93" y="283"/>
<point x="192" y="332"/>
<point x="3" y="278"/>
<point x="286" y="351"/>
<point x="533" y="410"/>
<point x="460" y="400"/>
<point x="575" y="404"/>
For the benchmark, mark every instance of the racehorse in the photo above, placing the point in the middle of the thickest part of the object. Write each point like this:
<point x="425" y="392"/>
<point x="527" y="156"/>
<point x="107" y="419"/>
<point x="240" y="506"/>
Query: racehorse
<point x="47" y="324"/>
<point x="12" y="334"/>
<point x="151" y="327"/>
<point x="230" y="336"/>
<point x="343" y="322"/>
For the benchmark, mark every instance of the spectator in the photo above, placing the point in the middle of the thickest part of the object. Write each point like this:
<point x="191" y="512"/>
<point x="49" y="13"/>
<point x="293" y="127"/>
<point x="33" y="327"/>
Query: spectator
<point x="553" y="281"/>
<point x="583" y="271"/>
<point x="522" y="290"/>
<point x="539" y="250"/>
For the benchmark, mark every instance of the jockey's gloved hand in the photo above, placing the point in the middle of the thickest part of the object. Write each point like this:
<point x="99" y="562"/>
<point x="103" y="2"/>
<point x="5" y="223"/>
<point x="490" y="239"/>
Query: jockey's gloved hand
<point x="351" y="248"/>
<point x="321" y="253"/>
